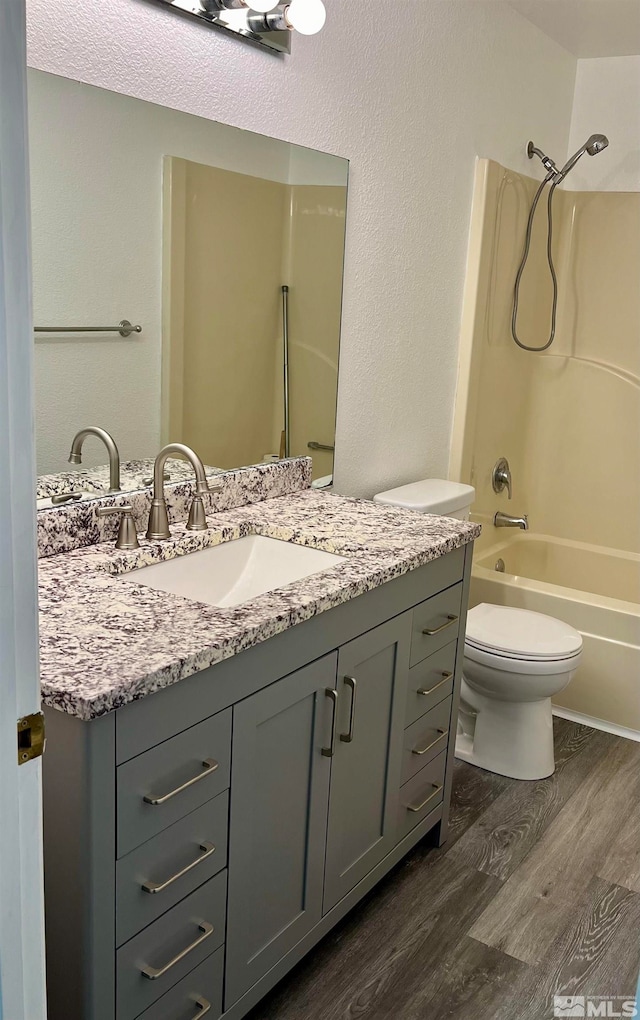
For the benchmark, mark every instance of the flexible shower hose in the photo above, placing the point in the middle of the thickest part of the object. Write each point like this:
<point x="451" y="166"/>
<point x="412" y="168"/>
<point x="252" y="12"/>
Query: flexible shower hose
<point x="525" y="256"/>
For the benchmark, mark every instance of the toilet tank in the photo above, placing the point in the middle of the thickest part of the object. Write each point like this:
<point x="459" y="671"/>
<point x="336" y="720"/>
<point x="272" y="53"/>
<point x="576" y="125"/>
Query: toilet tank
<point x="431" y="496"/>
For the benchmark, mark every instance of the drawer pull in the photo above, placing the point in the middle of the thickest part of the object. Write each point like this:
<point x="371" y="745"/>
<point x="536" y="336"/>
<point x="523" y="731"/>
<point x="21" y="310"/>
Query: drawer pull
<point x="154" y="972"/>
<point x="351" y="682"/>
<point x="203" y="1006"/>
<point x="329" y="752"/>
<point x="442" y="735"/>
<point x="418" y="807"/>
<point x="155" y="887"/>
<point x="445" y="679"/>
<point x="451" y="619"/>
<point x="210" y="766"/>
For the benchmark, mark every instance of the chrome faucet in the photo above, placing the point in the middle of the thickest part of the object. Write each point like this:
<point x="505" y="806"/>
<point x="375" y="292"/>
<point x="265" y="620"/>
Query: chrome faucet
<point x="507" y="521"/>
<point x="158" y="528"/>
<point x="75" y="457"/>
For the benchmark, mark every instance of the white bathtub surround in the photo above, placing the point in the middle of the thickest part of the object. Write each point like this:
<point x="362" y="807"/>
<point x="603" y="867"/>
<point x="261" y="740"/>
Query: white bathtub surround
<point x="568" y="421"/>
<point x="577" y="583"/>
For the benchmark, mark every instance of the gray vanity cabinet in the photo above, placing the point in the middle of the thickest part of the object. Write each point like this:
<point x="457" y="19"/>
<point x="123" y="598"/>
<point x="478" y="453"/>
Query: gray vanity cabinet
<point x="280" y="784"/>
<point x="365" y="769"/>
<point x="200" y="841"/>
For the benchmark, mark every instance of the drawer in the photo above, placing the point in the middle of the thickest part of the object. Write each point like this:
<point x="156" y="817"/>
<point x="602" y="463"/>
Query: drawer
<point x="435" y="623"/>
<point x="164" y="784"/>
<point x="430" y="681"/>
<point x="159" y="957"/>
<point x="197" y="995"/>
<point x="165" y="869"/>
<point x="421" y="794"/>
<point x="425" y="739"/>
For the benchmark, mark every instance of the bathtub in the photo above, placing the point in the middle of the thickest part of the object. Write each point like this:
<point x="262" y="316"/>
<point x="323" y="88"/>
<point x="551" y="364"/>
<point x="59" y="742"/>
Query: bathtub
<point x="593" y="588"/>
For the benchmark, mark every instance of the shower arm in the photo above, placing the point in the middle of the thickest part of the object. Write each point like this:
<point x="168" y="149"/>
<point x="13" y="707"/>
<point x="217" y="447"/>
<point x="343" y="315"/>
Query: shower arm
<point x="547" y="162"/>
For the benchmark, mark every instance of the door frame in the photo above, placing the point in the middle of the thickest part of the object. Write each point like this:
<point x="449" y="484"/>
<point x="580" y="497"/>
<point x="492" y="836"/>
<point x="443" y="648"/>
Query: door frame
<point x="22" y="974"/>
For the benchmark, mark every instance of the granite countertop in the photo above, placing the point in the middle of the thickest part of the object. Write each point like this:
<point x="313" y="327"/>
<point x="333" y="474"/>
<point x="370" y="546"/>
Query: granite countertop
<point x="134" y="474"/>
<point x="107" y="640"/>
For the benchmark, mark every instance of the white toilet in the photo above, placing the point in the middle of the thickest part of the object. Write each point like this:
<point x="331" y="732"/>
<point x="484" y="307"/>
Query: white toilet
<point x="514" y="662"/>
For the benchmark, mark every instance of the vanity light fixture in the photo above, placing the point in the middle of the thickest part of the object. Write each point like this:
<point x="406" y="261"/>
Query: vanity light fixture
<point x="304" y="16"/>
<point x="269" y="23"/>
<point x="258" y="6"/>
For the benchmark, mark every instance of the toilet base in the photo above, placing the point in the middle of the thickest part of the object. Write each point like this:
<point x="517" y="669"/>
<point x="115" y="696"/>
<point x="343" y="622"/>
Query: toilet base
<point x="513" y="739"/>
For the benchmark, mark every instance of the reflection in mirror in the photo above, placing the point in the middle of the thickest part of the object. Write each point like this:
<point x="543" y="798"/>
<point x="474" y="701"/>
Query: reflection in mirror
<point x="197" y="232"/>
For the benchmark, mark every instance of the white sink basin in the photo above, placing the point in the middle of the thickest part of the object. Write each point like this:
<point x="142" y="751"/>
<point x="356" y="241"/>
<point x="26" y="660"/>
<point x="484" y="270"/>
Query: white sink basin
<point x="229" y="574"/>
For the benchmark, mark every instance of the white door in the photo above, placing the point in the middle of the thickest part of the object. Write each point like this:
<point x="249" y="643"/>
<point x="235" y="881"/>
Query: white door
<point x="22" y="995"/>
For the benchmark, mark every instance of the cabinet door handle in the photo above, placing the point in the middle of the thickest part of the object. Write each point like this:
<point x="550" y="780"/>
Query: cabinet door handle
<point x="451" y="619"/>
<point x="445" y="679"/>
<point x="209" y="765"/>
<point x="202" y="1005"/>
<point x="423" y="750"/>
<point x="418" y="807"/>
<point x="155" y="972"/>
<point x="155" y="887"/>
<point x="329" y="752"/>
<point x="351" y="682"/>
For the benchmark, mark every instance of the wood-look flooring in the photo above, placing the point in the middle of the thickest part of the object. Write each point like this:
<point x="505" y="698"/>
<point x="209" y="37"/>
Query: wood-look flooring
<point x="535" y="894"/>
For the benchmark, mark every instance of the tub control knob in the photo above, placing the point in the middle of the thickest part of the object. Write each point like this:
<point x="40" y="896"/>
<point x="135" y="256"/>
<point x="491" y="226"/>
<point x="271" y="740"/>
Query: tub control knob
<point x="501" y="476"/>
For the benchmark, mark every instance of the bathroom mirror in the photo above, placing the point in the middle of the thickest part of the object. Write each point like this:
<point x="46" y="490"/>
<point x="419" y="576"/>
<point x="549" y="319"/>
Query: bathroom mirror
<point x="220" y="245"/>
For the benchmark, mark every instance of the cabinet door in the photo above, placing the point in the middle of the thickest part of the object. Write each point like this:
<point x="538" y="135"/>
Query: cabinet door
<point x="279" y="798"/>
<point x="365" y="769"/>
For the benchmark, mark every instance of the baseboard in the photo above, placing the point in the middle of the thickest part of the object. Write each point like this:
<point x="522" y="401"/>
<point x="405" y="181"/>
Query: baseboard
<point x="596" y="724"/>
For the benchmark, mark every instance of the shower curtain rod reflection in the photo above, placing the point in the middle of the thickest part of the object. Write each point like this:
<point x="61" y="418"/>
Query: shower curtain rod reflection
<point x="286" y="436"/>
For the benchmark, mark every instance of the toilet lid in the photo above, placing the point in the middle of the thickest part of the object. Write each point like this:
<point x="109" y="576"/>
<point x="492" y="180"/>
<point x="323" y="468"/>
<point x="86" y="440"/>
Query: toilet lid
<point x="520" y="634"/>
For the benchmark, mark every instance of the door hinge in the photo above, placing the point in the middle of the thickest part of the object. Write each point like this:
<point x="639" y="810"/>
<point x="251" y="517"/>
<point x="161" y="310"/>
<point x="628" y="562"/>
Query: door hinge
<point x="31" y="737"/>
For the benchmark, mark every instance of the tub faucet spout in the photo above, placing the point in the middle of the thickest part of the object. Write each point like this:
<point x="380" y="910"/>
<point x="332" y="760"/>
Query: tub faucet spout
<point x="507" y="521"/>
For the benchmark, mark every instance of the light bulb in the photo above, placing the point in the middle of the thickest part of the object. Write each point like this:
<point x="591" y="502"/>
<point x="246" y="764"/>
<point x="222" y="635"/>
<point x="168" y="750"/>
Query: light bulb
<point x="262" y="6"/>
<point x="306" y="16"/>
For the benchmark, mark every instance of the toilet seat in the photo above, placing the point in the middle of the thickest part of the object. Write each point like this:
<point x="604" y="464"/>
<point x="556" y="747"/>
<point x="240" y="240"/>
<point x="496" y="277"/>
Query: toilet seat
<point x="497" y="660"/>
<point x="521" y="636"/>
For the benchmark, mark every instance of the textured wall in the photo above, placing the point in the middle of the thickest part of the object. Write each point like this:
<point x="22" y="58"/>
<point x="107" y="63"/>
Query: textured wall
<point x="607" y="100"/>
<point x="410" y="105"/>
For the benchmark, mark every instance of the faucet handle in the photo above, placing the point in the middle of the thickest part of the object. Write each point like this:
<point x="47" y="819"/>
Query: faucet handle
<point x="147" y="482"/>
<point x="197" y="517"/>
<point x="197" y="514"/>
<point x="204" y="486"/>
<point x="127" y="535"/>
<point x="501" y="476"/>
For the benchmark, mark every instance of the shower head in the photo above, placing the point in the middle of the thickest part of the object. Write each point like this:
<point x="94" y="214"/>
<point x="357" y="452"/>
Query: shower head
<point x="593" y="145"/>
